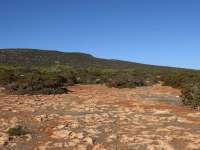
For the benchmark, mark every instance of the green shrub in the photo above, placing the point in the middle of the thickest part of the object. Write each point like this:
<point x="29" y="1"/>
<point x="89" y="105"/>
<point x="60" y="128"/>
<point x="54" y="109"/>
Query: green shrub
<point x="17" y="131"/>
<point x="180" y="79"/>
<point x="36" y="82"/>
<point x="125" y="80"/>
<point x="89" y="76"/>
<point x="191" y="95"/>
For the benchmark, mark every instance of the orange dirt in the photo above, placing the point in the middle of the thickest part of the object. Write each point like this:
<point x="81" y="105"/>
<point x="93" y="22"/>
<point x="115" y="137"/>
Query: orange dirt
<point x="96" y="117"/>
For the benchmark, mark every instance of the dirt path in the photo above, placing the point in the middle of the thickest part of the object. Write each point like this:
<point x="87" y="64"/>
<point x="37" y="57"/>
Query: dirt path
<point x="97" y="117"/>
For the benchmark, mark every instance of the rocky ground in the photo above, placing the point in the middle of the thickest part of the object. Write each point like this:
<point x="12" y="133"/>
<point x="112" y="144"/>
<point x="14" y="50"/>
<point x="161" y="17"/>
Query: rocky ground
<point x="95" y="117"/>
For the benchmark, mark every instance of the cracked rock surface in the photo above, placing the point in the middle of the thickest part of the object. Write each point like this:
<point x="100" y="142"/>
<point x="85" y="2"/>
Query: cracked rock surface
<point x="95" y="117"/>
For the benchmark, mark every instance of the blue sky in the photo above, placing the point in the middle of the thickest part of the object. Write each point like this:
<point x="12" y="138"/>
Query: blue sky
<point x="161" y="32"/>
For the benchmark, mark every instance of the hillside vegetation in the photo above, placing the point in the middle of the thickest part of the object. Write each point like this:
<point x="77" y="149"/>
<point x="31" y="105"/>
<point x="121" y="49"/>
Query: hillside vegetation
<point x="35" y="57"/>
<point x="29" y="71"/>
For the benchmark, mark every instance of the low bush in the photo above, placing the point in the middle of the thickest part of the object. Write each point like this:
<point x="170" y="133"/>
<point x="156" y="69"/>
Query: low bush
<point x="34" y="83"/>
<point x="17" y="131"/>
<point x="130" y="79"/>
<point x="188" y="82"/>
<point x="191" y="95"/>
<point x="89" y="76"/>
<point x="180" y="79"/>
<point x="56" y="78"/>
<point x="124" y="81"/>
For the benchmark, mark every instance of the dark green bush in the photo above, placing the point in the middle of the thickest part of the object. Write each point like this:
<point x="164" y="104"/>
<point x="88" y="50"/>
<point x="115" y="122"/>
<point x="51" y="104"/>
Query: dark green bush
<point x="188" y="82"/>
<point x="38" y="84"/>
<point x="89" y="76"/>
<point x="17" y="131"/>
<point x="180" y="79"/>
<point x="191" y="95"/>
<point x="125" y="79"/>
<point x="35" y="81"/>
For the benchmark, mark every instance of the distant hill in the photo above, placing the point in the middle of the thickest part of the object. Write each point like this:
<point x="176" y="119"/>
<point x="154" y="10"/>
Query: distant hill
<point x="30" y="57"/>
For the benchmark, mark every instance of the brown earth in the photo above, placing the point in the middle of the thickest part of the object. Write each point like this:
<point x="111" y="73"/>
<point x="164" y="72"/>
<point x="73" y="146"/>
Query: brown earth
<point x="96" y="117"/>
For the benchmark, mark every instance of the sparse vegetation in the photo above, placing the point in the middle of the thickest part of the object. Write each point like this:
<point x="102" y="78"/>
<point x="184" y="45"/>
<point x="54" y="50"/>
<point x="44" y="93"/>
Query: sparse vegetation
<point x="126" y="79"/>
<point x="33" y="82"/>
<point x="189" y="83"/>
<point x="50" y="72"/>
<point x="191" y="96"/>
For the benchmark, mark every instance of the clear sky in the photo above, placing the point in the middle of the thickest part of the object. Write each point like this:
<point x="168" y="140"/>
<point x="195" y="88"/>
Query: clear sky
<point x="161" y="32"/>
